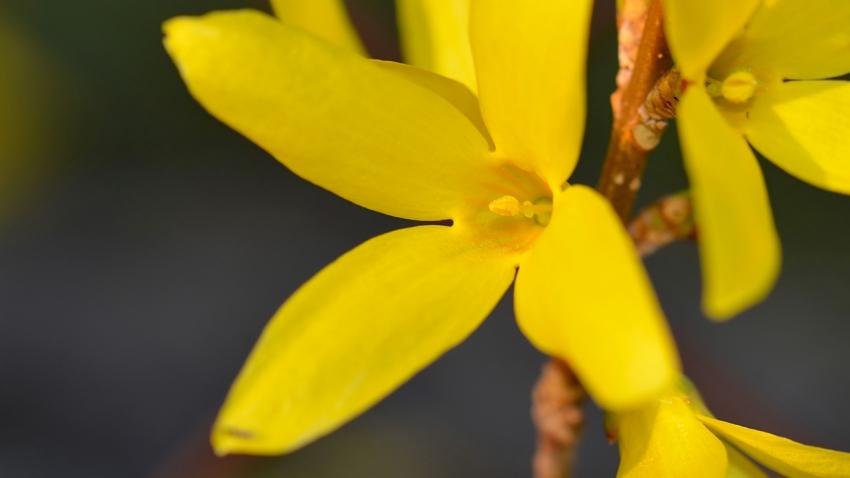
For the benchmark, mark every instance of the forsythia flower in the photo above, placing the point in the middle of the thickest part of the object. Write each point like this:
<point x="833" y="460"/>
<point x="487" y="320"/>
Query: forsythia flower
<point x="737" y="56"/>
<point x="676" y="436"/>
<point x="413" y="144"/>
<point x="434" y="33"/>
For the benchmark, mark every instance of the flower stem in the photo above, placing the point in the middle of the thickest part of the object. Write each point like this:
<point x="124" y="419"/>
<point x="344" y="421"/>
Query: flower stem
<point x="557" y="414"/>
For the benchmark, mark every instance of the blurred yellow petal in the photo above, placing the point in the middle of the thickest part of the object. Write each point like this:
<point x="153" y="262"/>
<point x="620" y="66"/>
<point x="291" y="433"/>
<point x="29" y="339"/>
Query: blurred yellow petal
<point x="355" y="332"/>
<point x="801" y="39"/>
<point x="804" y="127"/>
<point x="327" y="19"/>
<point x="785" y="456"/>
<point x="582" y="295"/>
<point x="739" y="247"/>
<point x="435" y="36"/>
<point x="453" y="91"/>
<point x="740" y="466"/>
<point x="530" y="60"/>
<point x="698" y="31"/>
<point x="334" y="118"/>
<point x="666" y="440"/>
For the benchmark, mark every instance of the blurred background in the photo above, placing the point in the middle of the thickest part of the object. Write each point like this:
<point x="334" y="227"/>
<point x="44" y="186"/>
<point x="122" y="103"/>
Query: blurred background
<point x="143" y="246"/>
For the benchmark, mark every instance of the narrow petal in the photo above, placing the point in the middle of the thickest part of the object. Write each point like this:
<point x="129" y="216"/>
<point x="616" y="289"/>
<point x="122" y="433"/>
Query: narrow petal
<point x="785" y="456"/>
<point x="327" y="19"/>
<point x="739" y="246"/>
<point x="451" y="90"/>
<point x="355" y="332"/>
<point x="334" y="118"/>
<point x="800" y="39"/>
<point x="582" y="295"/>
<point x="666" y="440"/>
<point x="804" y="127"/>
<point x="698" y="31"/>
<point x="435" y="37"/>
<point x="530" y="60"/>
<point x="740" y="466"/>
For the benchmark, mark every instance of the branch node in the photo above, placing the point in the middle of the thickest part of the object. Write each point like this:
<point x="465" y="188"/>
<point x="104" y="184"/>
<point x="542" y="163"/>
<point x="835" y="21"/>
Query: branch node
<point x="665" y="221"/>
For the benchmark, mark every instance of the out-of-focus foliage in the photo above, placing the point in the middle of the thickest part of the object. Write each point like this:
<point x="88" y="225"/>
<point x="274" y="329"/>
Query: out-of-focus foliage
<point x="26" y="131"/>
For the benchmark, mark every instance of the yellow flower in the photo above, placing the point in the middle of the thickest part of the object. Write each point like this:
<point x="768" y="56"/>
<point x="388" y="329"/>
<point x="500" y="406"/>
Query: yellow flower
<point x="434" y="33"/>
<point x="413" y="144"/>
<point x="737" y="56"/>
<point x="676" y="436"/>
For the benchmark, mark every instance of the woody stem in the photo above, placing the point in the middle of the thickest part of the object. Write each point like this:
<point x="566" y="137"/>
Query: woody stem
<point x="628" y="147"/>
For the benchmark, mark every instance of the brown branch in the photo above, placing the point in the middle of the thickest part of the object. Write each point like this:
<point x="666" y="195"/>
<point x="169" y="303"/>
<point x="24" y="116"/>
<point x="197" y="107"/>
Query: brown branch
<point x="626" y="158"/>
<point x="665" y="221"/>
<point x="631" y="18"/>
<point x="557" y="414"/>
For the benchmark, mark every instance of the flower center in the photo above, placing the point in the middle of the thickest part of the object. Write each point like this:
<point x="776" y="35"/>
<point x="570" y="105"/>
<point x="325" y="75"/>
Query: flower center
<point x="509" y="206"/>
<point x="738" y="87"/>
<point x="509" y="209"/>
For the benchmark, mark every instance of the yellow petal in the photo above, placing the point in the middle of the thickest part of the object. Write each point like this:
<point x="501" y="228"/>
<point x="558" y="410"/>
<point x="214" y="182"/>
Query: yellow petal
<point x="582" y="295"/>
<point x="666" y="440"/>
<point x="801" y="39"/>
<point x="435" y="36"/>
<point x="787" y="457"/>
<point x="698" y="31"/>
<point x="804" y="127"/>
<point x="452" y="91"/>
<point x="739" y="247"/>
<point x="327" y="19"/>
<point x="530" y="60"/>
<point x="334" y="118"/>
<point x="740" y="466"/>
<point x="355" y="332"/>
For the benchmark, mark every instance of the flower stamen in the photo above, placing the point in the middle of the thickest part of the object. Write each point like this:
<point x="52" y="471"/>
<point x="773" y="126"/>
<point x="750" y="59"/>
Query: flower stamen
<point x="509" y="206"/>
<point x="738" y="88"/>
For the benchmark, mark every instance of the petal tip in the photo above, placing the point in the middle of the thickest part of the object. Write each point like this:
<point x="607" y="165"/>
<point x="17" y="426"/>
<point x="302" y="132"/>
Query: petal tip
<point x="722" y="306"/>
<point x="180" y="34"/>
<point x="184" y="32"/>
<point x="227" y="439"/>
<point x="181" y="27"/>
